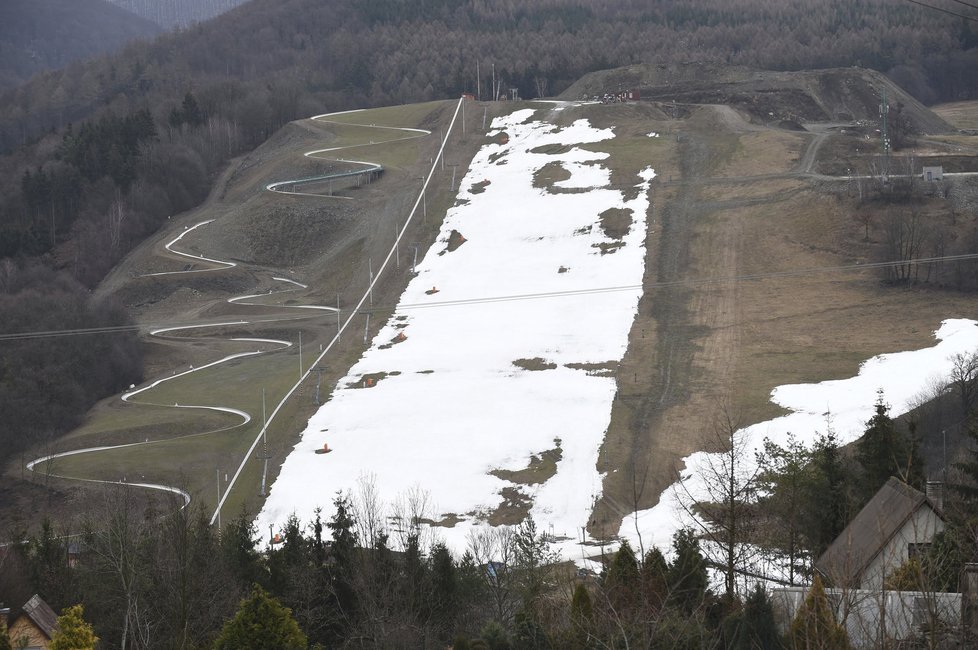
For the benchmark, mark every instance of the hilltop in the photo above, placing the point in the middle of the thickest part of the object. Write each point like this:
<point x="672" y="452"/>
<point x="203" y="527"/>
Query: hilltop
<point x="38" y="35"/>
<point x="847" y="95"/>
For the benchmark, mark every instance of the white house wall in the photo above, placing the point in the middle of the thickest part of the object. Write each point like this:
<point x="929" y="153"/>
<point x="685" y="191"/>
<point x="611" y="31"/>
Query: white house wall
<point x="920" y="528"/>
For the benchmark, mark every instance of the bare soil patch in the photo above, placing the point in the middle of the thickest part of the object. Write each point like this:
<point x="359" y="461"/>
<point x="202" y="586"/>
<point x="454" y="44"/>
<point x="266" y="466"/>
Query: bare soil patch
<point x="616" y="222"/>
<point x="549" y="175"/>
<point x="534" y="364"/>
<point x="541" y="468"/>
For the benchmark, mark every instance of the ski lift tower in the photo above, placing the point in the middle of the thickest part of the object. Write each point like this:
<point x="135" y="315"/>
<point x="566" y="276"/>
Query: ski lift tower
<point x="884" y="134"/>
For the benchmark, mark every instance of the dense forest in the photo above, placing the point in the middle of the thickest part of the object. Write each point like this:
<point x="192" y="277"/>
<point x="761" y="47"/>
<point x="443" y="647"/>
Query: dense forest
<point x="97" y="155"/>
<point x="37" y="35"/>
<point x="373" y="576"/>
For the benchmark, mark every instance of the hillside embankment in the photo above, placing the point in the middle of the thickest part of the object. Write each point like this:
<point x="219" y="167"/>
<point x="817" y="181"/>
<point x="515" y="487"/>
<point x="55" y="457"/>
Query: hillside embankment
<point x="757" y="206"/>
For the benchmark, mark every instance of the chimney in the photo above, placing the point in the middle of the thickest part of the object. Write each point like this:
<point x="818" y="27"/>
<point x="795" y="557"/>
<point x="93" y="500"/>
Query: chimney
<point x="935" y="494"/>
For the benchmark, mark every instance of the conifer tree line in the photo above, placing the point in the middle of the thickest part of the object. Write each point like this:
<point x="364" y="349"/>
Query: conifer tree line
<point x="372" y="577"/>
<point x="174" y="582"/>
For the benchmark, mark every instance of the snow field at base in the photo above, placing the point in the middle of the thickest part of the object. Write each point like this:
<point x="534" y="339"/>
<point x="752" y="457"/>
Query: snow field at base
<point x="848" y="402"/>
<point x="459" y="407"/>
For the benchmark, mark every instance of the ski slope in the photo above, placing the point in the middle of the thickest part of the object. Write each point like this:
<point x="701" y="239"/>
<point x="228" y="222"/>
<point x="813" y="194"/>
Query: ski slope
<point x="449" y="403"/>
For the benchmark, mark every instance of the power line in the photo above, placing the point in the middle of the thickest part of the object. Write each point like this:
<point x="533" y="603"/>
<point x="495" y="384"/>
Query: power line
<point x="462" y="302"/>
<point x="946" y="11"/>
<point x="966" y="4"/>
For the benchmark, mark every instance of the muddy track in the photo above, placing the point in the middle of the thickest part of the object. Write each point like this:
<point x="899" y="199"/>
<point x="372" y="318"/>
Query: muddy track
<point x="682" y="318"/>
<point x="675" y="344"/>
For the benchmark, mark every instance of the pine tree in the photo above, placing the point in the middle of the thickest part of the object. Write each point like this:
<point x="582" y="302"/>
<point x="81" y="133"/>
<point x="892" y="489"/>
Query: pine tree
<point x="260" y="623"/>
<point x="655" y="582"/>
<point x="752" y="627"/>
<point x="827" y="494"/>
<point x="73" y="632"/>
<point x="882" y="451"/>
<point x="582" y="616"/>
<point x="814" y="626"/>
<point x="687" y="574"/>
<point x="623" y="581"/>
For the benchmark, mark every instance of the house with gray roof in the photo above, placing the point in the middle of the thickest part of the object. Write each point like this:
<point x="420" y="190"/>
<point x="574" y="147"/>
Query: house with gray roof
<point x="897" y="523"/>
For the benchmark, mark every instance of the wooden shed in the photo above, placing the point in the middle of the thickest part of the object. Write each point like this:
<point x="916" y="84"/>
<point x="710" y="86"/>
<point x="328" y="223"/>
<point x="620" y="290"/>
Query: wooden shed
<point x="34" y="626"/>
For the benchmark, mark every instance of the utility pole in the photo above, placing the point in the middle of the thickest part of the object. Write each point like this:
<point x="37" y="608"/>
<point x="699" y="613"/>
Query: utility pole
<point x="366" y="327"/>
<point x="424" y="203"/>
<point x="454" y="169"/>
<point x="319" y="381"/>
<point x="337" y="316"/>
<point x="494" y="95"/>
<point x="414" y="246"/>
<point x="218" y="470"/>
<point x="264" y="439"/>
<point x="463" y="115"/>
<point x="370" y="287"/>
<point x="884" y="112"/>
<point x="478" y="82"/>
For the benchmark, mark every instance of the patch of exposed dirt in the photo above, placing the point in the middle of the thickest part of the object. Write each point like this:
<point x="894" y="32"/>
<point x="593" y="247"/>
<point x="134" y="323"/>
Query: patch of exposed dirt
<point x="541" y="468"/>
<point x="536" y="363"/>
<point x="552" y="149"/>
<point x="514" y="508"/>
<point x="455" y="240"/>
<point x="606" y="369"/>
<point x="547" y="176"/>
<point x="616" y="222"/>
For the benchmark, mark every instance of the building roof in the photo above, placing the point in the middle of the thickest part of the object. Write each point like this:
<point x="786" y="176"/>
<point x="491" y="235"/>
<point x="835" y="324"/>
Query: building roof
<point x="868" y="533"/>
<point x="43" y="616"/>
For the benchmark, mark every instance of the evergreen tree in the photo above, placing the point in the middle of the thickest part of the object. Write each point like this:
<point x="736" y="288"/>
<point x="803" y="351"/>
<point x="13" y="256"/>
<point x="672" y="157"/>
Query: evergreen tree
<point x="753" y="626"/>
<point x="343" y="567"/>
<point x="445" y="589"/>
<point x="827" y="494"/>
<point x="192" y="114"/>
<point x="529" y="634"/>
<point x="814" y="626"/>
<point x="968" y="487"/>
<point x="238" y="546"/>
<point x="784" y="481"/>
<point x="495" y="636"/>
<point x="655" y="580"/>
<point x="582" y="616"/>
<point x="687" y="574"/>
<point x="883" y="451"/>
<point x="623" y="581"/>
<point x="73" y="632"/>
<point x="261" y="623"/>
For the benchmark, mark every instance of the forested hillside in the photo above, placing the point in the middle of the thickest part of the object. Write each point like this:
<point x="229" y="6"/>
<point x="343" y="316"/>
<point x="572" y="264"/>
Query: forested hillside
<point x="38" y="35"/>
<point x="177" y="13"/>
<point x="100" y="153"/>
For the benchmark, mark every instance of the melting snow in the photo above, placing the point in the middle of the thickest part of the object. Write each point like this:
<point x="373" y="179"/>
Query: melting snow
<point x="453" y="406"/>
<point x="901" y="375"/>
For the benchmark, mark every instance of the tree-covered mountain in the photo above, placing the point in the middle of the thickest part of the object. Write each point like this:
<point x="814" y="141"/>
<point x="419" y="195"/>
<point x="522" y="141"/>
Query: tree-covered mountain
<point x="177" y="13"/>
<point x="332" y="53"/>
<point x="37" y="35"/>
